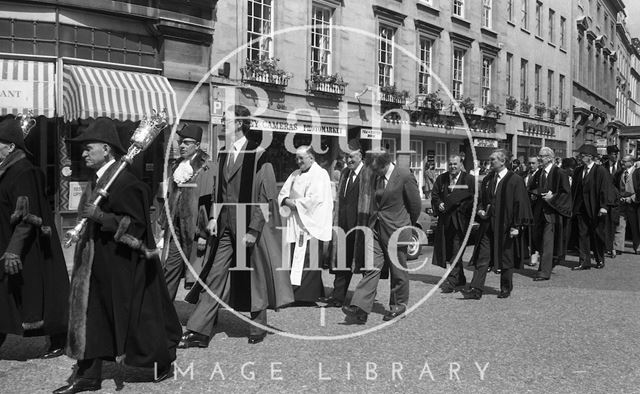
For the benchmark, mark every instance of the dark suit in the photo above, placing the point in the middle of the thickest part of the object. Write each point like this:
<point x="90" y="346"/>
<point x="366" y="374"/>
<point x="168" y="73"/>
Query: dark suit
<point x="629" y="212"/>
<point x="394" y="206"/>
<point x="590" y="194"/>
<point x="453" y="221"/>
<point x="348" y="193"/>
<point x="549" y="217"/>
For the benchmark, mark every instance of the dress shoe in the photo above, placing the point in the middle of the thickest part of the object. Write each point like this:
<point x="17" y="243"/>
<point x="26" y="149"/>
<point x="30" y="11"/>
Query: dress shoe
<point x="79" y="385"/>
<point x="581" y="267"/>
<point x="3" y="336"/>
<point x="539" y="278"/>
<point x="390" y="315"/>
<point x="619" y="252"/>
<point x="53" y="353"/>
<point x="193" y="339"/>
<point x="504" y="294"/>
<point x="472" y="294"/>
<point x="163" y="374"/>
<point x="332" y="302"/>
<point x="188" y="285"/>
<point x="253" y="339"/>
<point x="356" y="314"/>
<point x="610" y="254"/>
<point x="446" y="289"/>
<point x="599" y="265"/>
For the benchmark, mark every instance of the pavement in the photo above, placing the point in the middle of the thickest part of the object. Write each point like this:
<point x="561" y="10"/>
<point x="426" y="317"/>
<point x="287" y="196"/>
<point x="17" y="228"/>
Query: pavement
<point x="577" y="333"/>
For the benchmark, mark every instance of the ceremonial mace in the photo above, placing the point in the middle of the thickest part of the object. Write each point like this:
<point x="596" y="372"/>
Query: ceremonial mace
<point x="142" y="137"/>
<point x="26" y="123"/>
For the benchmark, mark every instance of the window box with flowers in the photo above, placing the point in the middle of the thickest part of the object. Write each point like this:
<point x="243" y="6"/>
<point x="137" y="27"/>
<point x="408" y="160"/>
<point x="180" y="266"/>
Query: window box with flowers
<point x="327" y="84"/>
<point x="430" y="101"/>
<point x="391" y="95"/>
<point x="553" y="111"/>
<point x="541" y="108"/>
<point x="467" y="106"/>
<point x="511" y="103"/>
<point x="492" y="111"/>
<point x="265" y="71"/>
<point x="525" y="106"/>
<point x="564" y="114"/>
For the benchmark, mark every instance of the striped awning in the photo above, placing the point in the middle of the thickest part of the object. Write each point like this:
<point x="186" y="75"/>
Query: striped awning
<point x="90" y="92"/>
<point x="27" y="86"/>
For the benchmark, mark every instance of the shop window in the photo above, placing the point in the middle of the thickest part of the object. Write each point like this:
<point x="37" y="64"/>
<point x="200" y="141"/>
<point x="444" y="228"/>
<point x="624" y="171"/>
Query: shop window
<point x="424" y="78"/>
<point x="260" y="29"/>
<point x="321" y="39"/>
<point x="386" y="36"/>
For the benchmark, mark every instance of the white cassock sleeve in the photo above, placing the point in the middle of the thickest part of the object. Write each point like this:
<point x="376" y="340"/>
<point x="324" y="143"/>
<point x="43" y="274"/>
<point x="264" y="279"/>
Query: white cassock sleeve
<point x="315" y="209"/>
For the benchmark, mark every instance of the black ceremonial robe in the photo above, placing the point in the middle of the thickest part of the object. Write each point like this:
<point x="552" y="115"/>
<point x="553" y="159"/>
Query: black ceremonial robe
<point x="508" y="208"/>
<point x="120" y="305"/>
<point x="35" y="299"/>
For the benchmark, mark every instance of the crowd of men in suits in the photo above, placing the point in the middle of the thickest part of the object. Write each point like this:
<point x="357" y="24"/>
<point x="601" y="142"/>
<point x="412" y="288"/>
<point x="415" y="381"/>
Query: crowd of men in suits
<point x="227" y="216"/>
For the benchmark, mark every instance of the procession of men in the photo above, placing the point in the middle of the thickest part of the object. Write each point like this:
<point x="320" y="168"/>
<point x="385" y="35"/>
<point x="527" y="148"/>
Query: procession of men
<point x="254" y="248"/>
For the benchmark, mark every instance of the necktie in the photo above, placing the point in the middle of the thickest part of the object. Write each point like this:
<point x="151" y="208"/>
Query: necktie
<point x="232" y="156"/>
<point x="543" y="182"/>
<point x="585" y="173"/>
<point x="349" y="182"/>
<point x="626" y="177"/>
<point x="494" y="184"/>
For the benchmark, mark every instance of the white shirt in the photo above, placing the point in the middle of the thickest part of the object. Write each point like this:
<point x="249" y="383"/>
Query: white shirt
<point x="100" y="172"/>
<point x="587" y="171"/>
<point x="500" y="175"/>
<point x="237" y="147"/>
<point x="387" y="176"/>
<point x="547" y="169"/>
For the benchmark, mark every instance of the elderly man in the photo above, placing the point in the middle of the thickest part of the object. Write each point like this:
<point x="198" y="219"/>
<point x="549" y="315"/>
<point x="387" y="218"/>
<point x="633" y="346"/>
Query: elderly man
<point x="395" y="204"/>
<point x="551" y="213"/>
<point x="531" y="178"/>
<point x="189" y="198"/>
<point x="452" y="202"/>
<point x="628" y="185"/>
<point x="249" y="243"/>
<point x="120" y="307"/>
<point x="504" y="211"/>
<point x="306" y="202"/>
<point x="34" y="285"/>
<point x="592" y="200"/>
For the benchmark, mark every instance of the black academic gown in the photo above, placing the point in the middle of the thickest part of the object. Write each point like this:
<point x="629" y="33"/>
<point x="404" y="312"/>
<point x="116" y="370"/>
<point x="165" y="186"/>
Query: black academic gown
<point x="120" y="305"/>
<point x="34" y="301"/>
<point x="458" y="203"/>
<point x="508" y="208"/>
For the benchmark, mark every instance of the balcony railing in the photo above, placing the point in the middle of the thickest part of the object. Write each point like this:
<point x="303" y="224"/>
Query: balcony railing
<point x="326" y="87"/>
<point x="266" y="78"/>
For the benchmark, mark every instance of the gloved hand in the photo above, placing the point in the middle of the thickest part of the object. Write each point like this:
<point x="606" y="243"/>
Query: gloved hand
<point x="12" y="263"/>
<point x="92" y="212"/>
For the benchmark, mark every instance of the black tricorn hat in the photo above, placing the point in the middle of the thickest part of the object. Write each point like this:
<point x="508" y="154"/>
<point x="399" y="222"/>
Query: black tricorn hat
<point x="612" y="149"/>
<point x="191" y="131"/>
<point x="11" y="133"/>
<point x="101" y="130"/>
<point x="588" y="149"/>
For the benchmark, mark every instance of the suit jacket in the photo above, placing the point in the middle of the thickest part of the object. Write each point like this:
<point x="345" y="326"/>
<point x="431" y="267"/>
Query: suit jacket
<point x="458" y="204"/>
<point x="592" y="193"/>
<point x="396" y="206"/>
<point x="348" y="202"/>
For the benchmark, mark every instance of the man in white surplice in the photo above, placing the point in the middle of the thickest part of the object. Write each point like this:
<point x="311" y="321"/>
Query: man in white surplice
<point x="307" y="204"/>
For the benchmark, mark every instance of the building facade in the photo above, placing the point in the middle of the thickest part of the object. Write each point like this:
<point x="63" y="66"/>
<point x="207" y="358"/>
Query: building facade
<point x="72" y="61"/>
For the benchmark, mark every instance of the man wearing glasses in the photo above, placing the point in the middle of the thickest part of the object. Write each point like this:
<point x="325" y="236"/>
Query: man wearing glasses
<point x="189" y="198"/>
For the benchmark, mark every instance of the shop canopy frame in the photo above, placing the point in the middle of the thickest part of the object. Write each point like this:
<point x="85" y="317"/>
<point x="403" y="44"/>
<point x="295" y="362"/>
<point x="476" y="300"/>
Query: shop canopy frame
<point x="92" y="92"/>
<point x="27" y="85"/>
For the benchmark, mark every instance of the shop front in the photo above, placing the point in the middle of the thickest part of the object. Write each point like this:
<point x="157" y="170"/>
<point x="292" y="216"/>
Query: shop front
<point x="125" y="96"/>
<point x="531" y="134"/>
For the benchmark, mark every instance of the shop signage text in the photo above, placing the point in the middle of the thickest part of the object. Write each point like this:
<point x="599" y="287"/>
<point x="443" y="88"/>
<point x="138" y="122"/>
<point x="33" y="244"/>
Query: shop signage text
<point x="485" y="143"/>
<point x="538" y="128"/>
<point x="304" y="128"/>
<point x="16" y="94"/>
<point x="371" y="134"/>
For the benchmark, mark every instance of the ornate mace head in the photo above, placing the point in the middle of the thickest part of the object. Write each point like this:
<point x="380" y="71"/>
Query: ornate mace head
<point x="26" y="122"/>
<point x="149" y="129"/>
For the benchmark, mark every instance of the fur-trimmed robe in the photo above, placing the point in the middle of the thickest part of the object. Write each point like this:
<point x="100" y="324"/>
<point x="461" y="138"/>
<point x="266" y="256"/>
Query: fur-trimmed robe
<point x="189" y="204"/>
<point x="266" y="286"/>
<point x="35" y="298"/>
<point x="510" y="207"/>
<point x="120" y="306"/>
